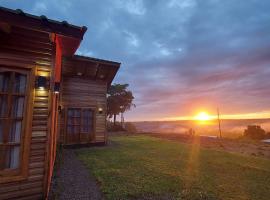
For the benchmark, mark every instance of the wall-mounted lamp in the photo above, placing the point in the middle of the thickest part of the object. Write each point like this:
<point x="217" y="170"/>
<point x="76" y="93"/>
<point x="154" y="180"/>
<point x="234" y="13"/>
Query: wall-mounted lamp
<point x="101" y="76"/>
<point x="60" y="109"/>
<point x="41" y="82"/>
<point x="56" y="87"/>
<point x="100" y="110"/>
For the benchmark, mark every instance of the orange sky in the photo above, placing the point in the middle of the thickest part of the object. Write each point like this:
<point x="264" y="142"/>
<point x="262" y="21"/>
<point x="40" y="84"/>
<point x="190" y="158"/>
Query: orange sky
<point x="258" y="115"/>
<point x="211" y="115"/>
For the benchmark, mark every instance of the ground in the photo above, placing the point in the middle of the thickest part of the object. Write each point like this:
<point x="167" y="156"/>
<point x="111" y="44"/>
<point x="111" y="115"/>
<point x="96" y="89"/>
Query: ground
<point x="72" y="180"/>
<point x="241" y="145"/>
<point x="163" y="167"/>
<point x="144" y="167"/>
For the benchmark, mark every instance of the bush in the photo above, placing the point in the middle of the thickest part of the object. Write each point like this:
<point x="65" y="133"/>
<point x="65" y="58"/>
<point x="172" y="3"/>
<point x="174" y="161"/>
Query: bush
<point x="130" y="127"/>
<point x="114" y="127"/>
<point x="255" y="132"/>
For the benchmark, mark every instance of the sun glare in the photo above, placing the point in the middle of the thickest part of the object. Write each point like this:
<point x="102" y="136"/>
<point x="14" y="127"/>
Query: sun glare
<point x="202" y="116"/>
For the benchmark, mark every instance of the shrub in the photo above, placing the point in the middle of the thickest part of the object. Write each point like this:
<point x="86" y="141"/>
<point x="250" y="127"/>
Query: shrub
<point x="255" y="132"/>
<point x="114" y="127"/>
<point x="130" y="127"/>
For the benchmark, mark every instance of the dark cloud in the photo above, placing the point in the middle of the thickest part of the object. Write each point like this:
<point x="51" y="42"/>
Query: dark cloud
<point x="180" y="55"/>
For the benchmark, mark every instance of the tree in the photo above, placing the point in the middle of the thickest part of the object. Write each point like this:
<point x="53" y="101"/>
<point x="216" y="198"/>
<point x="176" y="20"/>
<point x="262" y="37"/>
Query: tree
<point x="119" y="100"/>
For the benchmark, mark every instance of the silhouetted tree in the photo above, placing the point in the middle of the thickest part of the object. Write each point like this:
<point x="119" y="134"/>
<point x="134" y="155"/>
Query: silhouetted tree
<point x="255" y="132"/>
<point x="119" y="100"/>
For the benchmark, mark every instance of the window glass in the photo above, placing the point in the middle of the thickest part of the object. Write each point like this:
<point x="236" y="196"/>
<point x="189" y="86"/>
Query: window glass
<point x="2" y="157"/>
<point x="76" y="129"/>
<point x="77" y="113"/>
<point x="4" y="81"/>
<point x="15" y="131"/>
<point x="12" y="157"/>
<point x="73" y="129"/>
<point x="70" y="129"/>
<point x="70" y="112"/>
<point x="85" y="129"/>
<point x="87" y="120"/>
<point x="79" y="123"/>
<point x="19" y="85"/>
<point x="70" y="121"/>
<point x="74" y="121"/>
<point x="3" y="105"/>
<point x="17" y="106"/>
<point x="12" y="103"/>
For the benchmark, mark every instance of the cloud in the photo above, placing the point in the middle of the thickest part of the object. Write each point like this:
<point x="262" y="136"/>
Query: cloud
<point x="85" y="53"/>
<point x="132" y="6"/>
<point x="40" y="7"/>
<point x="182" y="4"/>
<point x="177" y="56"/>
<point x="131" y="38"/>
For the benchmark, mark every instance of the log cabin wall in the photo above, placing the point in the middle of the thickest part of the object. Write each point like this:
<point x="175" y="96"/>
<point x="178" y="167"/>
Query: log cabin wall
<point x="82" y="92"/>
<point x="26" y="46"/>
<point x="30" y="49"/>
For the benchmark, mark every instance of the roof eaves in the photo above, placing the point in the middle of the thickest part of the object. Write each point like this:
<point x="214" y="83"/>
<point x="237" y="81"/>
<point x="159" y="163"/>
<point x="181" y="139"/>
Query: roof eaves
<point x="62" y="28"/>
<point x="87" y="58"/>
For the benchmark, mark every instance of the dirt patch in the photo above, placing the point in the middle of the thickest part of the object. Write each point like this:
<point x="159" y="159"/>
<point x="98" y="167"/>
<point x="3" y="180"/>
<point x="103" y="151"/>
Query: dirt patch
<point x="254" y="148"/>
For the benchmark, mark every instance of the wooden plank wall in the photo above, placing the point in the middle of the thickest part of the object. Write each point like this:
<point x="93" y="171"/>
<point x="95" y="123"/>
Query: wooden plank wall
<point x="30" y="49"/>
<point x="84" y="92"/>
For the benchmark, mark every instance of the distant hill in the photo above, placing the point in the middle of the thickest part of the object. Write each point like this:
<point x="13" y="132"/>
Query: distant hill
<point x="230" y="127"/>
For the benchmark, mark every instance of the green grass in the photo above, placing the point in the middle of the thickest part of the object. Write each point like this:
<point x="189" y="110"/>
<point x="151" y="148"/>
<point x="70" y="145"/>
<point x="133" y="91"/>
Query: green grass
<point x="142" y="167"/>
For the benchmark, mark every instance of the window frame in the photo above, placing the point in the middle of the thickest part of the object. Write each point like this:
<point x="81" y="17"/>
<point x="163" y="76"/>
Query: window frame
<point x="21" y="173"/>
<point x="92" y="132"/>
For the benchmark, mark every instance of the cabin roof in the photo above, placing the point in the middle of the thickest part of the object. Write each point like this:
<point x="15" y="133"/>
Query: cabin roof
<point x="89" y="67"/>
<point x="41" y="23"/>
<point x="71" y="37"/>
<point x="87" y="58"/>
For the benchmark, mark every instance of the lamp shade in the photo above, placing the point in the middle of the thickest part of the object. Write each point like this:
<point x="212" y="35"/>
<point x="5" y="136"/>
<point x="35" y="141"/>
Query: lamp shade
<point x="100" y="110"/>
<point x="56" y="87"/>
<point x="41" y="82"/>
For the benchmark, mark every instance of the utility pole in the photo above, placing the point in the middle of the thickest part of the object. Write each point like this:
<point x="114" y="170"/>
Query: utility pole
<point x="122" y="120"/>
<point x="219" y="127"/>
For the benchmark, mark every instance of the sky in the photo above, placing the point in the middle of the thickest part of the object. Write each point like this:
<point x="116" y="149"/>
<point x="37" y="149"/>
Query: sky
<point x="179" y="57"/>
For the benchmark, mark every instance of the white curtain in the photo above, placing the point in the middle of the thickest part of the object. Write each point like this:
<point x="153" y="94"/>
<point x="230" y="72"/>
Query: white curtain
<point x="14" y="158"/>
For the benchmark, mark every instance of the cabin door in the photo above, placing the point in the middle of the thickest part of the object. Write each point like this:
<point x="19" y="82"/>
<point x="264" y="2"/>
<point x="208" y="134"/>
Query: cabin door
<point x="79" y="125"/>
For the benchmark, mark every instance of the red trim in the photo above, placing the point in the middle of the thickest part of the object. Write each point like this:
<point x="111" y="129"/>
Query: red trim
<point x="53" y="141"/>
<point x="58" y="59"/>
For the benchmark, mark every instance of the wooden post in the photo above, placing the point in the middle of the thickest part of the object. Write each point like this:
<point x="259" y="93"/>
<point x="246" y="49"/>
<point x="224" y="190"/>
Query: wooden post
<point x="219" y="123"/>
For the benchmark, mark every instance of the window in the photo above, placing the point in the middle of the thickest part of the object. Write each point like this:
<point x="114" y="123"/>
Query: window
<point x="87" y="116"/>
<point x="74" y="118"/>
<point x="13" y="93"/>
<point x="79" y="125"/>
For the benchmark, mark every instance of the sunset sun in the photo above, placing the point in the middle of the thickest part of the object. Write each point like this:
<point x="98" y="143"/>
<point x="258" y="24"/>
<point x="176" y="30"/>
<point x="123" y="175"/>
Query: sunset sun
<point x="202" y="116"/>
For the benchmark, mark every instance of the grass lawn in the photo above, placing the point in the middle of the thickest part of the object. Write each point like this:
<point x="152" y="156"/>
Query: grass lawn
<point x="143" y="167"/>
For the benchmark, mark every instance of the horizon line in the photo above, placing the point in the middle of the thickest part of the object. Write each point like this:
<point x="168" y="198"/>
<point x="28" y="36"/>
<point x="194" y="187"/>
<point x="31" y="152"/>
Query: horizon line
<point x="169" y="120"/>
<point x="246" y="116"/>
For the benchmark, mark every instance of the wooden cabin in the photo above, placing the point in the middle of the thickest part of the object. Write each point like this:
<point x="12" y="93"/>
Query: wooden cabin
<point x="48" y="95"/>
<point x="83" y="99"/>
